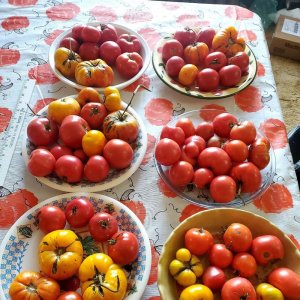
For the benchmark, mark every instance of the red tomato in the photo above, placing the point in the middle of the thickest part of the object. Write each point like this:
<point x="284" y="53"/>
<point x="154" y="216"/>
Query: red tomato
<point x="174" y="65"/>
<point x="41" y="163"/>
<point x="287" y="281"/>
<point x="205" y="130"/>
<point x="70" y="43"/>
<point x="248" y="176"/>
<point x="215" y="159"/>
<point x="118" y="153"/>
<point x="259" y="154"/>
<point x="60" y="150"/>
<point x="185" y="36"/>
<point x="206" y="35"/>
<point x="89" y="51"/>
<point x="191" y="149"/>
<point x="198" y="240"/>
<point x="244" y="264"/>
<point x="238" y="237"/>
<point x="123" y="248"/>
<point x="202" y="177"/>
<point x="223" y="189"/>
<point x="215" y="60"/>
<point x="76" y="31"/>
<point x="230" y="75"/>
<point x="103" y="226"/>
<point x="96" y="169"/>
<point x="42" y="132"/>
<point x="70" y="284"/>
<point x="167" y="152"/>
<point x="208" y="79"/>
<point x="267" y="248"/>
<point x="214" y="278"/>
<point x="109" y="52"/>
<point x="79" y="212"/>
<point x="69" y="296"/>
<point x="223" y="123"/>
<point x="186" y="124"/>
<point x="174" y="133"/>
<point x="51" y="218"/>
<point x="214" y="141"/>
<point x="94" y="113"/>
<point x="198" y="140"/>
<point x="181" y="173"/>
<point x="90" y="34"/>
<point x="129" y="64"/>
<point x="129" y="43"/>
<point x="238" y="288"/>
<point x="108" y="32"/>
<point x="244" y="131"/>
<point x="171" y="48"/>
<point x="69" y="168"/>
<point x="220" y="256"/>
<point x="186" y="158"/>
<point x="237" y="150"/>
<point x="240" y="59"/>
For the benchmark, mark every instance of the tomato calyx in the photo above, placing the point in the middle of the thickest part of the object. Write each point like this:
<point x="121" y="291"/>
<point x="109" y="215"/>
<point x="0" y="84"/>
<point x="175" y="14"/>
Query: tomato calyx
<point x="31" y="288"/>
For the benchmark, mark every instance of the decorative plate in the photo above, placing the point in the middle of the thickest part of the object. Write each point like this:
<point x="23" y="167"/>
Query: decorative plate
<point x="119" y="82"/>
<point x="19" y="249"/>
<point x="114" y="178"/>
<point x="193" y="91"/>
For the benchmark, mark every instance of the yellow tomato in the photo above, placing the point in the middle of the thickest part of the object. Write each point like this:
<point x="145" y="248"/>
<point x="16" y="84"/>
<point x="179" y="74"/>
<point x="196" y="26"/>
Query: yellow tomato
<point x="88" y="94"/>
<point x="102" y="279"/>
<point x="187" y="74"/>
<point x="93" y="142"/>
<point x="196" y="292"/>
<point x="59" y="109"/>
<point x="111" y="90"/>
<point x="113" y="102"/>
<point x="266" y="291"/>
<point x="60" y="254"/>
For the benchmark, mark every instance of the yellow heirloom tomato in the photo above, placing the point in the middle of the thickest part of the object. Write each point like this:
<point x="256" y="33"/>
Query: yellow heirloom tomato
<point x="186" y="268"/>
<point x="60" y="254"/>
<point x="93" y="142"/>
<point x="196" y="292"/>
<point x="66" y="61"/>
<point x="112" y="99"/>
<point x="266" y="291"/>
<point x="102" y="279"/>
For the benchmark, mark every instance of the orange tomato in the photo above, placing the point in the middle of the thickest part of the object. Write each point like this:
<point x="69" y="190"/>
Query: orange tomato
<point x="93" y="142"/>
<point x="187" y="74"/>
<point x="195" y="53"/>
<point x="88" y="94"/>
<point x="112" y="99"/>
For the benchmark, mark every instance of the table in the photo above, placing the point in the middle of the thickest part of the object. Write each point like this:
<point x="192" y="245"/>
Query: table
<point x="27" y="29"/>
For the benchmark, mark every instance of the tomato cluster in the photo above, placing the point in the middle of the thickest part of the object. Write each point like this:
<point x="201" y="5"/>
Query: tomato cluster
<point x="224" y="155"/>
<point x="65" y="261"/>
<point x="97" y="49"/>
<point x="207" y="60"/>
<point x="83" y="137"/>
<point x="229" y="264"/>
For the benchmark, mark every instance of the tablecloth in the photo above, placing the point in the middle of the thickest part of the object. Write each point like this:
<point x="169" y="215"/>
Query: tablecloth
<point x="28" y="27"/>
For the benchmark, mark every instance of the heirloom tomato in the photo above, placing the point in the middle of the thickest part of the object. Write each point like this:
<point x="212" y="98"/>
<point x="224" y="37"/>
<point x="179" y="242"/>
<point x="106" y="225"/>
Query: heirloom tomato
<point x="174" y="65"/>
<point x="244" y="131"/>
<point x="202" y="177"/>
<point x="240" y="59"/>
<point x="41" y="163"/>
<point x="215" y="60"/>
<point x="206" y="35"/>
<point x="238" y="288"/>
<point x="186" y="124"/>
<point x="93" y="142"/>
<point x="108" y="32"/>
<point x="237" y="150"/>
<point x="129" y="64"/>
<point x="174" y="133"/>
<point x="266" y="291"/>
<point x="223" y="189"/>
<point x="30" y="285"/>
<point x="185" y="36"/>
<point x="187" y="74"/>
<point x="88" y="51"/>
<point x="109" y="52"/>
<point x="102" y="279"/>
<point x="208" y="79"/>
<point x="90" y="34"/>
<point x="69" y="168"/>
<point x="129" y="43"/>
<point x="60" y="254"/>
<point x="171" y="48"/>
<point x="70" y="43"/>
<point x="195" y="53"/>
<point x="60" y="150"/>
<point x="88" y="94"/>
<point x="259" y="154"/>
<point x="214" y="278"/>
<point x="195" y="292"/>
<point x="223" y="123"/>
<point x="198" y="241"/>
<point x="112" y="99"/>
<point x="244" y="264"/>
<point x="230" y="75"/>
<point x="94" y="113"/>
<point x="205" y="130"/>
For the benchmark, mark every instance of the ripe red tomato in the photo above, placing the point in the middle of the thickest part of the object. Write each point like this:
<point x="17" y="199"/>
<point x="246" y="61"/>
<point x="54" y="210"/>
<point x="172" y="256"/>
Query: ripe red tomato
<point x="244" y="264"/>
<point x="223" y="123"/>
<point x="208" y="79"/>
<point x="223" y="189"/>
<point x="240" y="59"/>
<point x="214" y="141"/>
<point x="267" y="248"/>
<point x="238" y="288"/>
<point x="214" y="278"/>
<point x="215" y="60"/>
<point x="51" y="218"/>
<point x="230" y="75"/>
<point x="174" y="133"/>
<point x="129" y="43"/>
<point x="94" y="113"/>
<point x="205" y="130"/>
<point x="123" y="248"/>
<point x="238" y="237"/>
<point x="109" y="52"/>
<point x="103" y="226"/>
<point x="186" y="124"/>
<point x="118" y="153"/>
<point x="108" y="32"/>
<point x="89" y="51"/>
<point x="237" y="150"/>
<point x="171" y="48"/>
<point x="41" y="162"/>
<point x="259" y="154"/>
<point x="70" y="296"/>
<point x="202" y="177"/>
<point x="198" y="240"/>
<point x="206" y="35"/>
<point x="185" y="36"/>
<point x="198" y="140"/>
<point x="186" y="158"/>
<point x="70" y="284"/>
<point x="96" y="169"/>
<point x="76" y="31"/>
<point x="70" y="43"/>
<point x="79" y="211"/>
<point x="191" y="149"/>
<point x="174" y="65"/>
<point x="69" y="168"/>
<point x="60" y="150"/>
<point x="167" y="152"/>
<point x="129" y="64"/>
<point x="220" y="256"/>
<point x="244" y="131"/>
<point x="181" y="173"/>
<point x="90" y="34"/>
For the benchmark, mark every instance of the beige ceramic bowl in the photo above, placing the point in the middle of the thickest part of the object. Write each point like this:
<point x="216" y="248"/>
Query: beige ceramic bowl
<point x="215" y="220"/>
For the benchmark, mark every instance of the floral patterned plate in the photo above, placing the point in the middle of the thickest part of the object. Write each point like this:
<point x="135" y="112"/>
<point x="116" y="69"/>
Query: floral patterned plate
<point x="114" y="178"/>
<point x="19" y="249"/>
<point x="193" y="91"/>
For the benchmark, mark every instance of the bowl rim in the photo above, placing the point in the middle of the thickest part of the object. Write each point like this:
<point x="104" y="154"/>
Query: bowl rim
<point x="120" y="86"/>
<point x="238" y="201"/>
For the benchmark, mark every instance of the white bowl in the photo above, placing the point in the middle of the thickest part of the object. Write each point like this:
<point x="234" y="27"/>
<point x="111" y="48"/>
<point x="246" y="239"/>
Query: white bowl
<point x="119" y="82"/>
<point x="19" y="252"/>
<point x="114" y="178"/>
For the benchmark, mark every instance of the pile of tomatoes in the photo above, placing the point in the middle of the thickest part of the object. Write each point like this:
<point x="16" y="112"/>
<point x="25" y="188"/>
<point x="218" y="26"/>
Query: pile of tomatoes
<point x="225" y="155"/>
<point x="229" y="264"/>
<point x="208" y="59"/>
<point x="67" y="264"/>
<point x="91" y="51"/>
<point x="83" y="137"/>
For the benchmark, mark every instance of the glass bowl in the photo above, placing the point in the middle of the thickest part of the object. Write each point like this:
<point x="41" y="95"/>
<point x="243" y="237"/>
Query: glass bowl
<point x="202" y="197"/>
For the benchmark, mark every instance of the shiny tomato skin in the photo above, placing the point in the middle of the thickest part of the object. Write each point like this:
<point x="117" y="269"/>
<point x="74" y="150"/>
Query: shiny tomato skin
<point x="174" y="133"/>
<point x="198" y="240"/>
<point x="174" y="65"/>
<point x="223" y="189"/>
<point x="238" y="288"/>
<point x="230" y="75"/>
<point x="186" y="124"/>
<point x="214" y="278"/>
<point x="205" y="130"/>
<point x="129" y="64"/>
<point x="181" y="173"/>
<point x="259" y="154"/>
<point x="69" y="168"/>
<point x="215" y="60"/>
<point x="96" y="169"/>
<point x="240" y="59"/>
<point x="70" y="296"/>
<point x="94" y="113"/>
<point x="202" y="177"/>
<point x="238" y="237"/>
<point x="198" y="140"/>
<point x="220" y="256"/>
<point x="185" y="36"/>
<point x="191" y="149"/>
<point x="237" y="150"/>
<point x="223" y="123"/>
<point x="41" y="163"/>
<point x="171" y="48"/>
<point x="244" y="131"/>
<point x="79" y="211"/>
<point x="244" y="264"/>
<point x="267" y="248"/>
<point x="208" y="79"/>
<point x="167" y="152"/>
